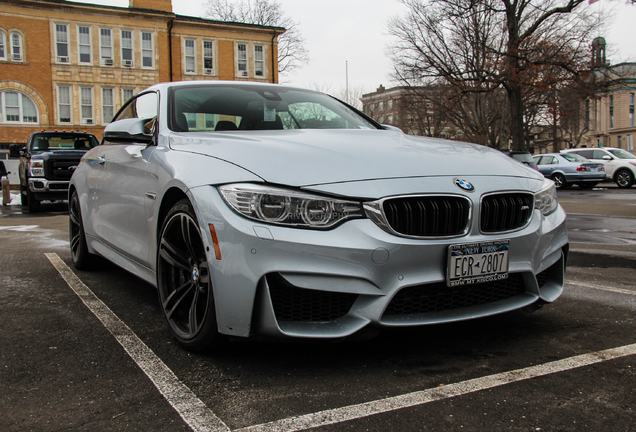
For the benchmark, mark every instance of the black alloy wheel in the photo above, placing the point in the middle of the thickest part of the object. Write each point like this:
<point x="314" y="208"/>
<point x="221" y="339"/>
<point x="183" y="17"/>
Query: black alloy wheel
<point x="624" y="178"/>
<point x="80" y="256"/>
<point x="559" y="181"/>
<point x="183" y="280"/>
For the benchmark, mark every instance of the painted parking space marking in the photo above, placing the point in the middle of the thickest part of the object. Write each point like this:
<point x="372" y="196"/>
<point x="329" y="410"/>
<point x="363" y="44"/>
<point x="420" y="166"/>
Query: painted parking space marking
<point x="191" y="409"/>
<point x="200" y="418"/>
<point x="601" y="287"/>
<point x="353" y="412"/>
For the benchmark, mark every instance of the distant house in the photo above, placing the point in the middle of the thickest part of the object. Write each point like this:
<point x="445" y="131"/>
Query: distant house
<point x="67" y="65"/>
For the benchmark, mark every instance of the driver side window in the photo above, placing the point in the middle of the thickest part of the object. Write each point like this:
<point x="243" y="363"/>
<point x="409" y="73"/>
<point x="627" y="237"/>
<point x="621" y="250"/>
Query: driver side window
<point x="144" y="106"/>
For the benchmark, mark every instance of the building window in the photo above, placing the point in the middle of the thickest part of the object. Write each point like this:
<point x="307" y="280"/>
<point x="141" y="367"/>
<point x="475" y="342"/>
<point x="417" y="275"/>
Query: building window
<point x="630" y="142"/>
<point x="208" y="57"/>
<point x="3" y="44"/>
<point x="127" y="48"/>
<point x="631" y="110"/>
<point x="190" y="58"/>
<point x="64" y="104"/>
<point x="381" y="106"/>
<point x="84" y="42"/>
<point x="619" y="142"/>
<point x="86" y="105"/>
<point x="106" y="46"/>
<point x="16" y="107"/>
<point x="126" y="93"/>
<point x="242" y="59"/>
<point x="390" y="103"/>
<point x="611" y="112"/>
<point x="16" y="46"/>
<point x="61" y="43"/>
<point x="259" y="61"/>
<point x="146" y="49"/>
<point x="108" y="105"/>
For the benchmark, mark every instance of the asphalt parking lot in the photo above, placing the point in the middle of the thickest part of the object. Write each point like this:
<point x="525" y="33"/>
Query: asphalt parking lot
<point x="89" y="351"/>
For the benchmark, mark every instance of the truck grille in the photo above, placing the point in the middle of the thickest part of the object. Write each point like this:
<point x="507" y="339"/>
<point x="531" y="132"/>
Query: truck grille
<point x="58" y="169"/>
<point x="505" y="212"/>
<point x="428" y="216"/>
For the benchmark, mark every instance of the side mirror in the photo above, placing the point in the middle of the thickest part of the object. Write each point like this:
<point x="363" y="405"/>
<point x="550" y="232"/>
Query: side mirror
<point x="128" y="131"/>
<point x="392" y="128"/>
<point x="16" y="150"/>
<point x="606" y="157"/>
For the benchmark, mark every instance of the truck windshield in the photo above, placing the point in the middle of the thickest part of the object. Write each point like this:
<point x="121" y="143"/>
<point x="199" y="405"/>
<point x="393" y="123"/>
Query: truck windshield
<point x="63" y="142"/>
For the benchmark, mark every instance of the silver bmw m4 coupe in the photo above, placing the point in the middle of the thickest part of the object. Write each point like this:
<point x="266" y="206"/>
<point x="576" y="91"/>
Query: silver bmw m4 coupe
<point x="261" y="210"/>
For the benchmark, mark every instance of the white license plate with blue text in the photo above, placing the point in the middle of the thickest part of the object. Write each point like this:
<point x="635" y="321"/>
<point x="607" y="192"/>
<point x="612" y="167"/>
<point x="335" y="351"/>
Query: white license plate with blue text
<point x="477" y="262"/>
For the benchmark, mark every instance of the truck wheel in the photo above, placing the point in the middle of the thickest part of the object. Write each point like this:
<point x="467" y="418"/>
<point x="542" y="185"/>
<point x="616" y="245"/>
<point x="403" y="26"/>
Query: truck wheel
<point x="24" y="197"/>
<point x="34" y="205"/>
<point x="624" y="179"/>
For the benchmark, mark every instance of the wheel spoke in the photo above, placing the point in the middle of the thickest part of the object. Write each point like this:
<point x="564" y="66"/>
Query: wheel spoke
<point x="185" y="231"/>
<point x="172" y="303"/>
<point x="75" y="242"/>
<point x="73" y="214"/>
<point x="173" y="255"/>
<point x="194" y="326"/>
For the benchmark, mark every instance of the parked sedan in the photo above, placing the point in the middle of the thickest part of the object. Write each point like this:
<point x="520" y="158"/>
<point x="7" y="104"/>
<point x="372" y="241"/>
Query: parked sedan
<point x="264" y="210"/>
<point x="566" y="169"/>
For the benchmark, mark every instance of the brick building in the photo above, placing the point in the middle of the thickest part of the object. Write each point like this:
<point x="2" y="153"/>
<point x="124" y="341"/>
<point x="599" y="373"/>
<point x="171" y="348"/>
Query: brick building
<point x="66" y="65"/>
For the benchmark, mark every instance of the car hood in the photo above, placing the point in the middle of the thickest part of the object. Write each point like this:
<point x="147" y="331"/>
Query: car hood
<point x="316" y="157"/>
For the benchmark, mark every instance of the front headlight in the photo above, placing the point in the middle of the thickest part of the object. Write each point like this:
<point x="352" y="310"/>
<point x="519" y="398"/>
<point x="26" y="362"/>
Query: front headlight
<point x="288" y="207"/>
<point x="36" y="168"/>
<point x="546" y="199"/>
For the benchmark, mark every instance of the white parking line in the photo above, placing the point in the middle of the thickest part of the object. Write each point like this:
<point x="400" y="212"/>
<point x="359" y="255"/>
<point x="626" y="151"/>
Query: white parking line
<point x="191" y="409"/>
<point x="354" y="412"/>
<point x="601" y="287"/>
<point x="194" y="412"/>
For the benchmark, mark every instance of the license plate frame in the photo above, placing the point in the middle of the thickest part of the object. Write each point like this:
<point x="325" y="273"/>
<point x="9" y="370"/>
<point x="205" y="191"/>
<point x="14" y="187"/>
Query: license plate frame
<point x="471" y="263"/>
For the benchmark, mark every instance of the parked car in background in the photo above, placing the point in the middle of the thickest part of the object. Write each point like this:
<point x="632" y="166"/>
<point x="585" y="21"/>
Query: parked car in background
<point x="620" y="165"/>
<point x="263" y="210"/>
<point x="522" y="156"/>
<point x="566" y="169"/>
<point x="47" y="163"/>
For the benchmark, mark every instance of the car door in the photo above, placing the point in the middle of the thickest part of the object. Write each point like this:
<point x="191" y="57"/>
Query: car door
<point x="118" y="183"/>
<point x="546" y="165"/>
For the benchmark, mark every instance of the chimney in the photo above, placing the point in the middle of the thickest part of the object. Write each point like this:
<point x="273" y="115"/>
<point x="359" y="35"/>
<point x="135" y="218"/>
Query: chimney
<point x="161" y="5"/>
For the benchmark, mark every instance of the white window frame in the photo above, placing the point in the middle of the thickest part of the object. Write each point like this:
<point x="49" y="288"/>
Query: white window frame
<point x="83" y="118"/>
<point x="125" y="98"/>
<point x="631" y="110"/>
<point x="19" y="106"/>
<point x="242" y="60"/>
<point x="80" y="44"/>
<point x="151" y="50"/>
<point x="58" y="57"/>
<point x="259" y="63"/>
<point x="192" y="56"/>
<point x="128" y="63"/>
<point x="209" y="68"/>
<point x="69" y="104"/>
<point x="105" y="105"/>
<point x="103" y="60"/>
<point x="3" y="45"/>
<point x="17" y="50"/>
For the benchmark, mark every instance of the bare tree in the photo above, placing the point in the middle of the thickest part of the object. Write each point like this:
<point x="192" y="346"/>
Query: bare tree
<point x="481" y="46"/>
<point x="292" y="53"/>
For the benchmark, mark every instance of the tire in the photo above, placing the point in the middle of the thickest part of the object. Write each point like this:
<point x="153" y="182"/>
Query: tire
<point x="624" y="178"/>
<point x="183" y="280"/>
<point x="82" y="259"/>
<point x="34" y="204"/>
<point x="24" y="197"/>
<point x="559" y="181"/>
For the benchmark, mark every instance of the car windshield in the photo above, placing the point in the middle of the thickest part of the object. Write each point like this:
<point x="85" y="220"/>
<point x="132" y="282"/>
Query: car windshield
<point x="622" y="154"/>
<point x="573" y="157"/>
<point x="63" y="141"/>
<point x="234" y="107"/>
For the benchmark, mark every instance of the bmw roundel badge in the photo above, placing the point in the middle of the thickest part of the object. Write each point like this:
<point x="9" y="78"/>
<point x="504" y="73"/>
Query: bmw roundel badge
<point x="465" y="185"/>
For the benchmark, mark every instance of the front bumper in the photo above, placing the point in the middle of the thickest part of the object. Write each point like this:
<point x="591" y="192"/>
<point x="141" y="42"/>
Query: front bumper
<point x="44" y="189"/>
<point x="277" y="281"/>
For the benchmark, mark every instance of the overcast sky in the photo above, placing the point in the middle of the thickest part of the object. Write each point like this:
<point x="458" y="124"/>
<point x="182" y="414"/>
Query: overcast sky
<point x="353" y="32"/>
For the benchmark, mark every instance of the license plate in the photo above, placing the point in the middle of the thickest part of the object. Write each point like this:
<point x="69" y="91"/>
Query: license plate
<point x="477" y="262"/>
